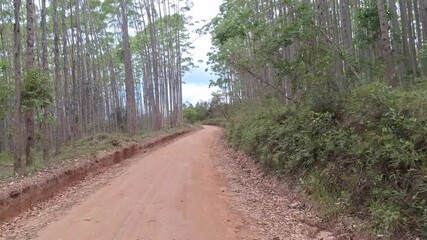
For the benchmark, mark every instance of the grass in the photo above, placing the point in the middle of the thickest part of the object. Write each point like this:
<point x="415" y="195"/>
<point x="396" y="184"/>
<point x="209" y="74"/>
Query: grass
<point x="85" y="147"/>
<point x="6" y="164"/>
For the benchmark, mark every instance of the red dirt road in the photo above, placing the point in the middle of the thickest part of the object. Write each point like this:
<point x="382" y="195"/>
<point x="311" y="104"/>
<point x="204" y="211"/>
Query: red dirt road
<point x="172" y="193"/>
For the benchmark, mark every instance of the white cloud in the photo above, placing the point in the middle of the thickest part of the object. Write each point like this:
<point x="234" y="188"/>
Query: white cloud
<point x="203" y="10"/>
<point x="193" y="93"/>
<point x="196" y="88"/>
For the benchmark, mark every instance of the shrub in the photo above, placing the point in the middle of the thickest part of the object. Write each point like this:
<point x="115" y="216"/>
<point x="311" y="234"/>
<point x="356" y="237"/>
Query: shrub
<point x="366" y="150"/>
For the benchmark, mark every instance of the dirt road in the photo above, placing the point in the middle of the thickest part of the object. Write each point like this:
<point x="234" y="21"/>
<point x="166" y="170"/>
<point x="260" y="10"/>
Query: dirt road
<point x="195" y="188"/>
<point x="172" y="193"/>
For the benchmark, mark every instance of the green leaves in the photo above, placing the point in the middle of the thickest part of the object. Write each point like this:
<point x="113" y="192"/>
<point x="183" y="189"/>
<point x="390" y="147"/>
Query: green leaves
<point x="202" y="111"/>
<point x="4" y="65"/>
<point x="248" y="40"/>
<point x="36" y="90"/>
<point x="5" y="91"/>
<point x="190" y="115"/>
<point x="368" y="24"/>
<point x="5" y="94"/>
<point x="366" y="150"/>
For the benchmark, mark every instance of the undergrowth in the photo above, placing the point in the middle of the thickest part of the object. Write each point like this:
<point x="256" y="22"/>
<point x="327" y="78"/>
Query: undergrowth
<point x="363" y="153"/>
<point x="85" y="147"/>
<point x="220" y="122"/>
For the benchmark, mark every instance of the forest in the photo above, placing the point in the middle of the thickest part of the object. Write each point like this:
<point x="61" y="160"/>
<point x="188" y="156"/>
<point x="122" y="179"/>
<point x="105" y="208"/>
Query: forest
<point x="74" y="68"/>
<point x="333" y="96"/>
<point x="330" y="95"/>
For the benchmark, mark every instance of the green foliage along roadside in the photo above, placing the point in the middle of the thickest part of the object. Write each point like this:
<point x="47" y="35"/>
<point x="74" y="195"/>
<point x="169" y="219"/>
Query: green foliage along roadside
<point x="363" y="153"/>
<point x="201" y="111"/>
<point x="88" y="146"/>
<point x="211" y="113"/>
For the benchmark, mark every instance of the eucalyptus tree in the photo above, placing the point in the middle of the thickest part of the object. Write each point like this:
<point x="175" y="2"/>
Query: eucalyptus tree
<point x="385" y="43"/>
<point x="105" y="77"/>
<point x="132" y="124"/>
<point x="30" y="59"/>
<point x="59" y="137"/>
<point x="163" y="43"/>
<point x="45" y="69"/>
<point x="6" y="72"/>
<point x="17" y="68"/>
<point x="292" y="48"/>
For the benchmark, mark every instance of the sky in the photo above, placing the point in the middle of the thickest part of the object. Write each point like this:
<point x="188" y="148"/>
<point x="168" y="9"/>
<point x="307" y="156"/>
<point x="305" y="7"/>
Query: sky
<point x="196" y="85"/>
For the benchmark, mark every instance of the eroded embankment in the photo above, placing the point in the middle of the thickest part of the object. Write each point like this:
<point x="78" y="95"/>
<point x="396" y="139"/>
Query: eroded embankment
<point x="21" y="194"/>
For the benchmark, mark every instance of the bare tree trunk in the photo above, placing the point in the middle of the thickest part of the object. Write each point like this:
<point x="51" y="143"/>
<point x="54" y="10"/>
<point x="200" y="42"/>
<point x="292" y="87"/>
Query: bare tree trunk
<point x="67" y="119"/>
<point x="346" y="26"/>
<point x="338" y="62"/>
<point x="81" y="74"/>
<point x="154" y="49"/>
<point x="423" y="16"/>
<point x="418" y="25"/>
<point x="116" y="105"/>
<point x="423" y="7"/>
<point x="74" y="90"/>
<point x="132" y="125"/>
<point x="17" y="68"/>
<point x="45" y="121"/>
<point x="88" y="78"/>
<point x="396" y="39"/>
<point x="59" y="137"/>
<point x="411" y="36"/>
<point x="29" y="114"/>
<point x="385" y="44"/>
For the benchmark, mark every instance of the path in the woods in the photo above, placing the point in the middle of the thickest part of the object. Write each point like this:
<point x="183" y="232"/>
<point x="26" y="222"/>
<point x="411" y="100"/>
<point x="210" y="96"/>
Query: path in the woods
<point x="192" y="189"/>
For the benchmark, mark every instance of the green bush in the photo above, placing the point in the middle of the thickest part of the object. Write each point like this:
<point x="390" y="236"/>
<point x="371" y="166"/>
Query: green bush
<point x="190" y="115"/>
<point x="366" y="150"/>
<point x="200" y="112"/>
<point x="221" y="122"/>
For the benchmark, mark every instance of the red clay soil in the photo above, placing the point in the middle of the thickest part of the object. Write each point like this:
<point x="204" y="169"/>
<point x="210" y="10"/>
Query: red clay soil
<point x="19" y="195"/>
<point x="172" y="193"/>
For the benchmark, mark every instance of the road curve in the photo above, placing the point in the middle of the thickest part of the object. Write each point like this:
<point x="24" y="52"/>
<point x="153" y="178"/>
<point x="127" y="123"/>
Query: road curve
<point x="171" y="193"/>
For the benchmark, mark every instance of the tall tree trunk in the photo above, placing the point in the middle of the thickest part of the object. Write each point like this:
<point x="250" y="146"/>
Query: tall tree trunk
<point x="385" y="44"/>
<point x="338" y="62"/>
<point x="153" y="32"/>
<point x="116" y="106"/>
<point x="45" y="121"/>
<point x="423" y="16"/>
<point x="59" y="133"/>
<point x="17" y="68"/>
<point x="396" y="39"/>
<point x="346" y="26"/>
<point x="132" y="125"/>
<point x="67" y="119"/>
<point x="88" y="101"/>
<point x="423" y="6"/>
<point x="29" y="114"/>
<point x="407" y="53"/>
<point x="411" y="38"/>
<point x="74" y="89"/>
<point x="80" y="73"/>
<point x="418" y="25"/>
